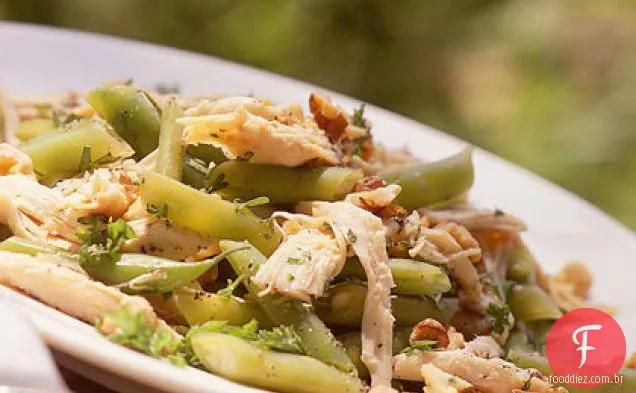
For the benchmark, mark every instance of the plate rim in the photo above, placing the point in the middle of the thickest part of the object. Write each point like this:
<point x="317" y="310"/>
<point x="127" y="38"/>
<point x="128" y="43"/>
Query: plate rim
<point x="67" y="346"/>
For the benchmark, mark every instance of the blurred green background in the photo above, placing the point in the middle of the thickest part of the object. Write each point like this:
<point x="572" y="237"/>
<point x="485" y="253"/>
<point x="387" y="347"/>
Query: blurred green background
<point x="549" y="84"/>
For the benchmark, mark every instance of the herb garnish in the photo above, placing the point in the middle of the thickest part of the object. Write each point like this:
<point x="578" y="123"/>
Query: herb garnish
<point x="102" y="241"/>
<point x="258" y="201"/>
<point x="423" y="345"/>
<point x="497" y="316"/>
<point x="358" y="116"/>
<point x="135" y="331"/>
<point x="160" y="211"/>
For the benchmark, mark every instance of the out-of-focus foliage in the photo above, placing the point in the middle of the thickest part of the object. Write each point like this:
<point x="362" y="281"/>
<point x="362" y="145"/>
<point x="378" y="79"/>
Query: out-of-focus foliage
<point x="550" y="84"/>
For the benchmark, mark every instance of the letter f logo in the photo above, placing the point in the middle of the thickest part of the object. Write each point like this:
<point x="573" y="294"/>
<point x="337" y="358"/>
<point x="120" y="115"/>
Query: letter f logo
<point x="583" y="344"/>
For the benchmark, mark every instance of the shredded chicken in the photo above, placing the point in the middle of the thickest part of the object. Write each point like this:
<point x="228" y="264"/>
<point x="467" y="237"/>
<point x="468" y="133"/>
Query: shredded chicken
<point x="303" y="265"/>
<point x="14" y="162"/>
<point x="475" y="219"/>
<point x="105" y="191"/>
<point x="47" y="279"/>
<point x="259" y="131"/>
<point x="437" y="381"/>
<point x="486" y="375"/>
<point x="31" y="210"/>
<point x="163" y="239"/>
<point x="366" y="235"/>
<point x="376" y="199"/>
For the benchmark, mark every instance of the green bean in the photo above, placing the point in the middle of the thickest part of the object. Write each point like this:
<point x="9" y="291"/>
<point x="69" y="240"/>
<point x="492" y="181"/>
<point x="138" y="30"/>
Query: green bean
<point x="198" y="307"/>
<point x="521" y="266"/>
<point x="352" y="343"/>
<point x="284" y="185"/>
<point x="193" y="173"/>
<point x="57" y="154"/>
<point x="534" y="360"/>
<point x="411" y="277"/>
<point x="345" y="306"/>
<point x="243" y="362"/>
<point x="433" y="183"/>
<point x="531" y="303"/>
<point x="537" y="332"/>
<point x="517" y="340"/>
<point x="206" y="153"/>
<point x="141" y="273"/>
<point x="131" y="114"/>
<point x="29" y="129"/>
<point x="208" y="214"/>
<point x="290" y="312"/>
<point x="170" y="150"/>
<point x="25" y="246"/>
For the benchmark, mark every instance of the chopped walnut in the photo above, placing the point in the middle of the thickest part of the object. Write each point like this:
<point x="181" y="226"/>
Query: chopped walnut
<point x="566" y="286"/>
<point x="368" y="183"/>
<point x="630" y="362"/>
<point x="444" y="242"/>
<point x="578" y="275"/>
<point x="392" y="211"/>
<point x="455" y="339"/>
<point x="430" y="329"/>
<point x="329" y="117"/>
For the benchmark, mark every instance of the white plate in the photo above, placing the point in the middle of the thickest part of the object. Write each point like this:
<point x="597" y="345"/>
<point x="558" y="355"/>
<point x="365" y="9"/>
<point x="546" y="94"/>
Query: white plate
<point x="562" y="226"/>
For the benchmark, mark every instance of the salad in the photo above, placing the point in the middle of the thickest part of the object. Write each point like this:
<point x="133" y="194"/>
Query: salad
<point x="280" y="249"/>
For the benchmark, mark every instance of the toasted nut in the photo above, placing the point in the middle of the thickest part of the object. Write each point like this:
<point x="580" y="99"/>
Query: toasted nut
<point x="329" y="117"/>
<point x="578" y="275"/>
<point x="368" y="183"/>
<point x="630" y="362"/>
<point x="464" y="238"/>
<point x="456" y="339"/>
<point x="430" y="329"/>
<point x="393" y="211"/>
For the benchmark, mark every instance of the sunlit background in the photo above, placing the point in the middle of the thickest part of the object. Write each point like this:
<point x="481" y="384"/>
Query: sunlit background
<point x="549" y="84"/>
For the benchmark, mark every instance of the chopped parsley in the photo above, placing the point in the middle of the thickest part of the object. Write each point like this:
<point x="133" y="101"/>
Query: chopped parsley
<point x="258" y="201"/>
<point x="217" y="184"/>
<point x="352" y="237"/>
<point x="358" y="117"/>
<point x="134" y="330"/>
<point x="283" y="339"/>
<point x="232" y="285"/>
<point x="497" y="316"/>
<point x="423" y="345"/>
<point x="85" y="160"/>
<point x="105" y="159"/>
<point x="101" y="242"/>
<point x="87" y="164"/>
<point x="159" y="211"/>
<point x="295" y="261"/>
<point x="498" y="284"/>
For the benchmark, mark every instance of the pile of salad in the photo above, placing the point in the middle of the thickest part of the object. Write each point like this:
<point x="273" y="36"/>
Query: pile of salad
<point x="277" y="248"/>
